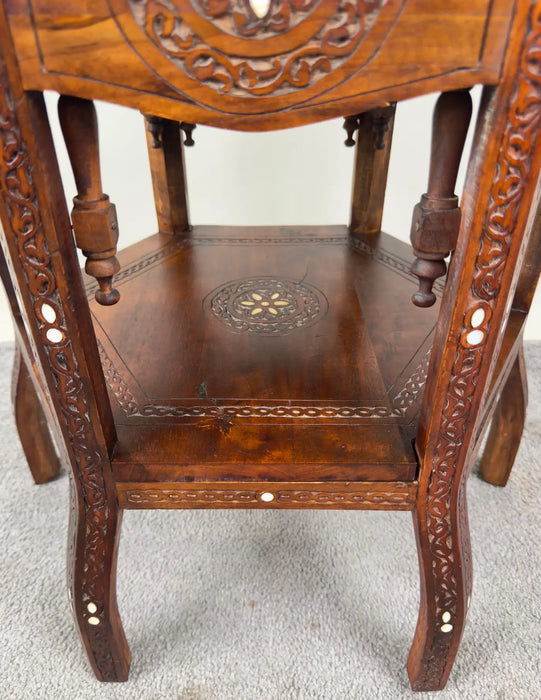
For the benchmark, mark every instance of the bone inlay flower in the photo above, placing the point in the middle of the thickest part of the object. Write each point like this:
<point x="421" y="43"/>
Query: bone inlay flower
<point x="265" y="303"/>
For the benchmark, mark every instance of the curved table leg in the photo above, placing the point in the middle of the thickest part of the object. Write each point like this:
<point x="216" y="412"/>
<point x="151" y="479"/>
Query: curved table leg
<point x="443" y="545"/>
<point x="507" y="426"/>
<point x="92" y="557"/>
<point x="31" y="422"/>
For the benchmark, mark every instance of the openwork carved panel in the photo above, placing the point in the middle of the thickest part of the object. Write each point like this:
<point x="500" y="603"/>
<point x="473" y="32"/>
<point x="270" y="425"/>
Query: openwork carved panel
<point x="229" y="49"/>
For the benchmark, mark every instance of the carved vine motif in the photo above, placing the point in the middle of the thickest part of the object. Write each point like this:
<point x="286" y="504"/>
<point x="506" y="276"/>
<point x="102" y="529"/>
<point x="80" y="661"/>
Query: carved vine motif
<point x="267" y="305"/>
<point x="512" y="171"/>
<point x="236" y="17"/>
<point x="384" y="257"/>
<point x="392" y="498"/>
<point x="21" y="204"/>
<point x="256" y="73"/>
<point x="393" y="262"/>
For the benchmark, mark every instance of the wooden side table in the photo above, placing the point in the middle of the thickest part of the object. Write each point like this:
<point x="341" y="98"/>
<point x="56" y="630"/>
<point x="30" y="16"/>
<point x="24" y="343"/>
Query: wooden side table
<point x="220" y="367"/>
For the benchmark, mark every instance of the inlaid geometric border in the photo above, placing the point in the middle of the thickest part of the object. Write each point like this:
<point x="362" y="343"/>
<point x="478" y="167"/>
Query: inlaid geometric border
<point x="401" y="402"/>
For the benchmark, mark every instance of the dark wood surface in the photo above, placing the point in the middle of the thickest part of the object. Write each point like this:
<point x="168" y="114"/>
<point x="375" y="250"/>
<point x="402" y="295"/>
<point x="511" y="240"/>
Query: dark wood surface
<point x="272" y="368"/>
<point x="119" y="50"/>
<point x="37" y="443"/>
<point x="332" y="395"/>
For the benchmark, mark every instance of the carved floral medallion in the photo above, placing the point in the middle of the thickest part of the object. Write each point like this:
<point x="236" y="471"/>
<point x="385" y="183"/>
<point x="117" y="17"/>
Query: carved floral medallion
<point x="267" y="305"/>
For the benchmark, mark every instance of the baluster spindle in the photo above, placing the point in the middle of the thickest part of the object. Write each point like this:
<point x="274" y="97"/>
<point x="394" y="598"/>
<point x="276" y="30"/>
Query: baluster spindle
<point x="436" y="218"/>
<point x="93" y="216"/>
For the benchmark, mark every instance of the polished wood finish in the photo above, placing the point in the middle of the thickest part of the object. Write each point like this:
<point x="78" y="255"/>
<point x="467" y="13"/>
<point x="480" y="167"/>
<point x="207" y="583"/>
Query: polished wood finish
<point x="436" y="219"/>
<point x="507" y="426"/>
<point x="374" y="135"/>
<point x="166" y="157"/>
<point x="35" y="219"/>
<point x="127" y="55"/>
<point x="37" y="428"/>
<point x="273" y="367"/>
<point x="482" y="279"/>
<point x="93" y="217"/>
<point x="364" y="495"/>
<point x="32" y="424"/>
<point x="281" y="397"/>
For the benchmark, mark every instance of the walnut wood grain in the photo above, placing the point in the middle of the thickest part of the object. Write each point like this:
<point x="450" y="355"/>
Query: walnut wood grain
<point x="247" y="404"/>
<point x="252" y="494"/>
<point x="52" y="304"/>
<point x="482" y="280"/>
<point x="374" y="135"/>
<point x="436" y="219"/>
<point x="123" y="59"/>
<point x="507" y="425"/>
<point x="280" y="367"/>
<point x="167" y="167"/>
<point x="32" y="425"/>
<point x="93" y="217"/>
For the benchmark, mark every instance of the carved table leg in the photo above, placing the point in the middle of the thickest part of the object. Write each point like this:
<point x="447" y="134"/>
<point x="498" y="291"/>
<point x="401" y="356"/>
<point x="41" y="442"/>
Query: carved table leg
<point x="31" y="422"/>
<point x="94" y="533"/>
<point x="53" y="305"/>
<point x="30" y="418"/>
<point x="443" y="545"/>
<point x="507" y="426"/>
<point x="501" y="189"/>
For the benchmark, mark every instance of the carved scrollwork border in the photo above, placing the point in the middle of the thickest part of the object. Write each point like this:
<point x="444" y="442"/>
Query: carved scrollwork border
<point x="394" y="497"/>
<point x="400" y="403"/>
<point x="21" y="204"/>
<point x="293" y="68"/>
<point x="505" y="200"/>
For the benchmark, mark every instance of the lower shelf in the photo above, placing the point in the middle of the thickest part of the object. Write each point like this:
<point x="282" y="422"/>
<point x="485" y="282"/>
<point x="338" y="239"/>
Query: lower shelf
<point x="239" y="357"/>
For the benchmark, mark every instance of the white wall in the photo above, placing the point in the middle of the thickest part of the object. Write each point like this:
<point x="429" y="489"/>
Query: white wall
<point x="295" y="176"/>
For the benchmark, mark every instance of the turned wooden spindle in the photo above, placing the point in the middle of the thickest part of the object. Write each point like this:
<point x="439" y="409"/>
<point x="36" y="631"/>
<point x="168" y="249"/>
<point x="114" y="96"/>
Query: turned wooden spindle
<point x="93" y="216"/>
<point x="436" y="218"/>
<point x="188" y="130"/>
<point x="351" y="124"/>
<point x="380" y="119"/>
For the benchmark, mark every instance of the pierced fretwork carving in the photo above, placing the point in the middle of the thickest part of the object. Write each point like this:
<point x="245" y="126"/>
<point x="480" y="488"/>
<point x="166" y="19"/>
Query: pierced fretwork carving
<point x="436" y="219"/>
<point x="93" y="216"/>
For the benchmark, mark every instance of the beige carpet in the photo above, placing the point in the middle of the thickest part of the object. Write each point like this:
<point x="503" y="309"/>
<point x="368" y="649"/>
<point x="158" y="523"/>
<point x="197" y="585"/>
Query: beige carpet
<point x="273" y="605"/>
